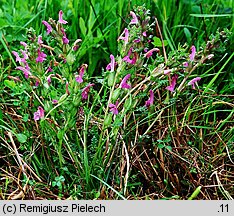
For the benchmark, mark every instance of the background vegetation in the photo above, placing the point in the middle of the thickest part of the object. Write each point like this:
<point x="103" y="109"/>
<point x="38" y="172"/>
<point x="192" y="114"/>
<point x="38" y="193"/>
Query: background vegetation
<point x="181" y="149"/>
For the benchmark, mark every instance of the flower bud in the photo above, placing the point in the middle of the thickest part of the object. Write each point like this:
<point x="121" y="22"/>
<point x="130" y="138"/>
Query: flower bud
<point x="108" y="120"/>
<point x="62" y="98"/>
<point x="115" y="94"/>
<point x="70" y="59"/>
<point x="111" y="79"/>
<point x="128" y="103"/>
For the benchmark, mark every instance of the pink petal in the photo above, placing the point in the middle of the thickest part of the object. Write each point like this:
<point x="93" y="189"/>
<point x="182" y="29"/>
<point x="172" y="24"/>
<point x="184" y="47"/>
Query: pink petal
<point x="193" y="52"/>
<point x="134" y="18"/>
<point x="48" y="26"/>
<point x="61" y="20"/>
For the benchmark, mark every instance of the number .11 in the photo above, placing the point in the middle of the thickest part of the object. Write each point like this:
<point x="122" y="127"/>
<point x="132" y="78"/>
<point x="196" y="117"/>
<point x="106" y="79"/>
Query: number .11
<point x="224" y="208"/>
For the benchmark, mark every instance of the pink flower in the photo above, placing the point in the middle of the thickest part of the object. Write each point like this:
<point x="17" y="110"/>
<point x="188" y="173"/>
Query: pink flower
<point x="39" y="41"/>
<point x="81" y="74"/>
<point x="39" y="114"/>
<point x="48" y="26"/>
<point x="65" y="40"/>
<point x="125" y="37"/>
<point x="150" y="101"/>
<point x="26" y="72"/>
<point x="49" y="78"/>
<point x="113" y="108"/>
<point x="150" y="52"/>
<point x="26" y="66"/>
<point x="18" y="59"/>
<point x="37" y="83"/>
<point x="167" y="71"/>
<point x="124" y="83"/>
<point x="137" y="40"/>
<point x="185" y="64"/>
<point x="144" y="34"/>
<point x="173" y="83"/>
<point x="25" y="56"/>
<point x="85" y="91"/>
<point x="193" y="81"/>
<point x="76" y="44"/>
<point x="54" y="101"/>
<point x="127" y="57"/>
<point x="41" y="56"/>
<point x="23" y="44"/>
<point x="134" y="18"/>
<point x="111" y="65"/>
<point x="49" y="69"/>
<point x="61" y="18"/>
<point x="193" y="52"/>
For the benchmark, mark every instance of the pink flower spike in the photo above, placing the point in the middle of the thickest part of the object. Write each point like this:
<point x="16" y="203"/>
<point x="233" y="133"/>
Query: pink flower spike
<point x="150" y="52"/>
<point x="48" y="26"/>
<point x="150" y="101"/>
<point x="193" y="52"/>
<point x="23" y="44"/>
<point x="173" y="83"/>
<point x="18" y="59"/>
<point x="134" y="18"/>
<point x="61" y="18"/>
<point x="193" y="81"/>
<point x="39" y="114"/>
<point x="144" y="34"/>
<point x="39" y="41"/>
<point x="126" y="36"/>
<point x="85" y="91"/>
<point x="26" y="72"/>
<point x="124" y="83"/>
<point x="41" y="56"/>
<point x="113" y="108"/>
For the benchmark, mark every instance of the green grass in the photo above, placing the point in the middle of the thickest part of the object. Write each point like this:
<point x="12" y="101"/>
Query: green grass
<point x="181" y="147"/>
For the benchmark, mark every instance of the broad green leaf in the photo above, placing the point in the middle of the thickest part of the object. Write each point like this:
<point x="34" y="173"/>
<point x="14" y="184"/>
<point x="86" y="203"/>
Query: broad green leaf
<point x="187" y="34"/>
<point x="9" y="83"/>
<point x="21" y="138"/>
<point x="25" y="117"/>
<point x="160" y="146"/>
<point x="82" y="26"/>
<point x="158" y="43"/>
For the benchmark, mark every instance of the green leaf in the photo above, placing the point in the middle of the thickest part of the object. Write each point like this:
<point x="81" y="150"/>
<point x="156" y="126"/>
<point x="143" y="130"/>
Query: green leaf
<point x="161" y="146"/>
<point x="187" y="34"/>
<point x="169" y="148"/>
<point x="21" y="138"/>
<point x="54" y="183"/>
<point x="25" y="117"/>
<point x="158" y="43"/>
<point x="82" y="26"/>
<point x="59" y="184"/>
<point x="10" y="84"/>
